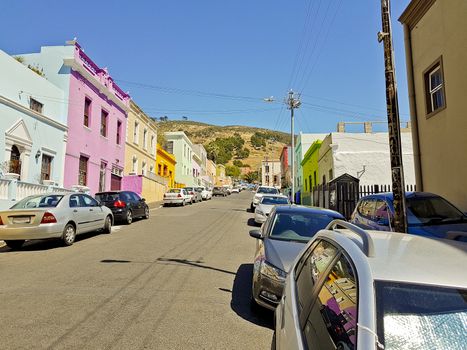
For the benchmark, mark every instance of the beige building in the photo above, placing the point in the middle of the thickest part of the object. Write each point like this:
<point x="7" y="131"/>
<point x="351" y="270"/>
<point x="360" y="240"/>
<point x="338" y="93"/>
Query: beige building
<point x="211" y="171"/>
<point x="436" y="54"/>
<point x="271" y="173"/>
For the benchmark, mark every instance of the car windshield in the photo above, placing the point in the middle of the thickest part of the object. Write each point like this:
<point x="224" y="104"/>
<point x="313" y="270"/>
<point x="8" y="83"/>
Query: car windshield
<point x="47" y="201"/>
<point x="107" y="197"/>
<point x="432" y="211"/>
<point x="217" y="188"/>
<point x="298" y="226"/>
<point x="274" y="200"/>
<point x="174" y="190"/>
<point x="268" y="190"/>
<point x="411" y="316"/>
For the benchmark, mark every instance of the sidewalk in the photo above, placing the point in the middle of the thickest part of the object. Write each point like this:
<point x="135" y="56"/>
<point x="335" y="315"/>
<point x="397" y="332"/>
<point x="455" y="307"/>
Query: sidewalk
<point x="154" y="205"/>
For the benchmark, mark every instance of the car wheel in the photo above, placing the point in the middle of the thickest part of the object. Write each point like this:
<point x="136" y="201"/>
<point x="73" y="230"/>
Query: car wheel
<point x="14" y="245"/>
<point x="129" y="217"/>
<point x="146" y="213"/>
<point x="108" y="224"/>
<point x="69" y="235"/>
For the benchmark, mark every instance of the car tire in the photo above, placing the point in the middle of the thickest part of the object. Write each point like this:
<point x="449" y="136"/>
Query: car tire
<point x="108" y="224"/>
<point x="69" y="234"/>
<point x="15" y="245"/>
<point x="146" y="213"/>
<point x="129" y="217"/>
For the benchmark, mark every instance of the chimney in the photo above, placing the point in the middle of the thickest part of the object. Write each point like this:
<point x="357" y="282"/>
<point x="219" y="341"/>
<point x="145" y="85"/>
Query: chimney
<point x="341" y="127"/>
<point x="367" y="126"/>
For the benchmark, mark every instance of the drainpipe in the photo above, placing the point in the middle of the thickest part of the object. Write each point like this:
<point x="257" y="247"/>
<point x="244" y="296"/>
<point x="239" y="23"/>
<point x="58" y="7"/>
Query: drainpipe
<point x="413" y="108"/>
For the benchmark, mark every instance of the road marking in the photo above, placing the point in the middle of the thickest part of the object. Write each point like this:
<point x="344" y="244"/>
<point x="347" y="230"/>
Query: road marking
<point x="155" y="208"/>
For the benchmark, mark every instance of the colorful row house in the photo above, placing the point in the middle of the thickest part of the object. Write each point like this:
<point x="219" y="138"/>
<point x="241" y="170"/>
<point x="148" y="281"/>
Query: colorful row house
<point x="96" y="116"/>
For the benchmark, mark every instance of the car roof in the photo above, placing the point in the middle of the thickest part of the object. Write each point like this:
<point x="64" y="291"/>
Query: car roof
<point x="389" y="195"/>
<point x="292" y="208"/>
<point x="410" y="258"/>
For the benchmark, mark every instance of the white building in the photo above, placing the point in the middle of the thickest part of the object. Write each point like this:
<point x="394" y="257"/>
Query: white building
<point x="271" y="173"/>
<point x="364" y="156"/>
<point x="181" y="147"/>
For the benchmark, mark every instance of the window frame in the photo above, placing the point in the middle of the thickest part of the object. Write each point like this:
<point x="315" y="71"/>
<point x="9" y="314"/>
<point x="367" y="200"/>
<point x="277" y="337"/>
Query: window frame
<point x="119" y="132"/>
<point x="427" y="73"/>
<point x="33" y="103"/>
<point x="104" y="126"/>
<point x="85" y="171"/>
<point x="49" y="166"/>
<point x="87" y="113"/>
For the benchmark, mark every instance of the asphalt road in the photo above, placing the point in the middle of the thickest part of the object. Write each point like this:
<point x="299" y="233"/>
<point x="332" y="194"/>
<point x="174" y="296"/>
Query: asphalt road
<point x="180" y="280"/>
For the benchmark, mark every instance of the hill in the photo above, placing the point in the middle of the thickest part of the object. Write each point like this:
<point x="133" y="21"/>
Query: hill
<point x="265" y="142"/>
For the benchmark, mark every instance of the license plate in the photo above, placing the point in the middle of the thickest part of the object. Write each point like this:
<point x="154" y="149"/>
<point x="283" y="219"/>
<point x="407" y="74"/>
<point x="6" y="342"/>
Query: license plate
<point x="22" y="220"/>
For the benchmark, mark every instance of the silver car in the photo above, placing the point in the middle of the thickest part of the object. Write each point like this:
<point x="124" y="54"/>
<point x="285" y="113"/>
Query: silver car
<point x="53" y="215"/>
<point x="266" y="204"/>
<point x="369" y="290"/>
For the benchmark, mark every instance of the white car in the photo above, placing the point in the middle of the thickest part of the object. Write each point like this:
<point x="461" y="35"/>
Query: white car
<point x="261" y="191"/>
<point x="178" y="196"/>
<point x="206" y="193"/>
<point x="370" y="290"/>
<point x="266" y="204"/>
<point x="235" y="190"/>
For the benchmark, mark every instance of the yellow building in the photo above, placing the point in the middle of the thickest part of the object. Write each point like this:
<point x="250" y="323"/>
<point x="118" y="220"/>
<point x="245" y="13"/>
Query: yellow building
<point x="140" y="156"/>
<point x="220" y="175"/>
<point x="435" y="45"/>
<point x="165" y="165"/>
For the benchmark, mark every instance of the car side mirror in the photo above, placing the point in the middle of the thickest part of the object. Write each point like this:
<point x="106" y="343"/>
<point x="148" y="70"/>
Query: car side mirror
<point x="256" y="234"/>
<point x="143" y="199"/>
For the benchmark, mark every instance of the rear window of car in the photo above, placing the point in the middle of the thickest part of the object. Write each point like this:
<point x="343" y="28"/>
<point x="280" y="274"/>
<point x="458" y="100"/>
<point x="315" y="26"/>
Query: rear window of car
<point x="411" y="316"/>
<point x="268" y="190"/>
<point x="298" y="227"/>
<point x="48" y="201"/>
<point x="174" y="190"/>
<point x="274" y="200"/>
<point x="107" y="197"/>
<point x="217" y="188"/>
<point x="432" y="210"/>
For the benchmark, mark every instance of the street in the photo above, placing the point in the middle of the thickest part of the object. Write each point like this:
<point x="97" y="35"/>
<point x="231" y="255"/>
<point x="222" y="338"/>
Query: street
<point x="180" y="280"/>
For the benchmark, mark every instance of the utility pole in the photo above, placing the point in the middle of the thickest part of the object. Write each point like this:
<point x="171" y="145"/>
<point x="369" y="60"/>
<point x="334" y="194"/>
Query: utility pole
<point x="292" y="101"/>
<point x="395" y="147"/>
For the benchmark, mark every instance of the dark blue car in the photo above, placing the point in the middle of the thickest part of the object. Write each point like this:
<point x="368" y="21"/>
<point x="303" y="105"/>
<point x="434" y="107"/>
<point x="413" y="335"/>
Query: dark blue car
<point x="427" y="215"/>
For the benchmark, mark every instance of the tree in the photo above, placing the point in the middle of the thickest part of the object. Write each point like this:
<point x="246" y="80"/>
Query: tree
<point x="243" y="153"/>
<point x="258" y="140"/>
<point x="238" y="163"/>
<point x="232" y="170"/>
<point x="251" y="177"/>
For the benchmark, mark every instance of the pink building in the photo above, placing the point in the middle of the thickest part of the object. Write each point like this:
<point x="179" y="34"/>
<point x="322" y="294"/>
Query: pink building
<point x="97" y="116"/>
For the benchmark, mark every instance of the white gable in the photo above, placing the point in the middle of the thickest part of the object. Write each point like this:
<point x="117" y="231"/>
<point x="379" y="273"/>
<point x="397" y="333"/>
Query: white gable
<point x="19" y="132"/>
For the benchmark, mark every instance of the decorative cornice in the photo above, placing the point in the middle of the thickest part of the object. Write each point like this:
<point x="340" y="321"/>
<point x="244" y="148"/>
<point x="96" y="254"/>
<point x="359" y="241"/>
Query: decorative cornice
<point x="415" y="12"/>
<point x="32" y="113"/>
<point x="71" y="62"/>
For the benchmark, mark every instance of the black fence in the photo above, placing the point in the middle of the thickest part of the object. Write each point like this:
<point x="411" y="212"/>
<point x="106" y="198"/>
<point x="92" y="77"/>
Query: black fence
<point x="343" y="196"/>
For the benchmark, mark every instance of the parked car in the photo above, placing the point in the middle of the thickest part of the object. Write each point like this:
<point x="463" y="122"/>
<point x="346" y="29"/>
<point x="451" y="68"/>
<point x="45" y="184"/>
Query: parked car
<point x="235" y="190"/>
<point x="219" y="191"/>
<point x="228" y="189"/>
<point x="177" y="196"/>
<point x="427" y="215"/>
<point x="266" y="204"/>
<point x="194" y="193"/>
<point x="280" y="239"/>
<point x="53" y="215"/>
<point x="125" y="205"/>
<point x="206" y="193"/>
<point x="370" y="290"/>
<point x="261" y="191"/>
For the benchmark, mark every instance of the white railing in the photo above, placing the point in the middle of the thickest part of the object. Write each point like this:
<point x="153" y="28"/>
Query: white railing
<point x="4" y="184"/>
<point x="25" y="189"/>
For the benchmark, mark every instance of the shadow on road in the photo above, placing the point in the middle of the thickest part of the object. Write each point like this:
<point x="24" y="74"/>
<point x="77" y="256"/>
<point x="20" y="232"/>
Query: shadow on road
<point x="251" y="222"/>
<point x="47" y="244"/>
<point x="192" y="263"/>
<point x="241" y="298"/>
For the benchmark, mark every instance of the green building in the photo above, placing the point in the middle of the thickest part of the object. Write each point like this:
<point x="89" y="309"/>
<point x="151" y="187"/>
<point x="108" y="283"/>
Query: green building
<point x="310" y="173"/>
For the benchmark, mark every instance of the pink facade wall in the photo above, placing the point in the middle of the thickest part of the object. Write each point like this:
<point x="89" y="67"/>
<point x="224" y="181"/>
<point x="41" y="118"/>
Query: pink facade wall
<point x="88" y="141"/>
<point x="133" y="183"/>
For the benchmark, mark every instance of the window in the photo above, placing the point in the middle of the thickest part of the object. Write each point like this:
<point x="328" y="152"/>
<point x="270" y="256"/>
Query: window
<point x="159" y="169"/>
<point x="310" y="183"/>
<point x="275" y="179"/>
<point x="143" y="168"/>
<point x="152" y="144"/>
<point x="366" y="208"/>
<point x="104" y="121"/>
<point x="267" y="179"/>
<point x="314" y="178"/>
<point x="87" y="112"/>
<point x="165" y="170"/>
<point x="170" y="147"/>
<point x="119" y="131"/>
<point x="305" y="185"/>
<point x="330" y="175"/>
<point x="87" y="201"/>
<point x="332" y="320"/>
<point x="434" y="88"/>
<point x="309" y="271"/>
<point x="46" y="167"/>
<point x="267" y="168"/>
<point x="135" y="133"/>
<point x="145" y="136"/>
<point x="135" y="165"/>
<point x="35" y="105"/>
<point x="83" y="171"/>
<point x="102" y="177"/>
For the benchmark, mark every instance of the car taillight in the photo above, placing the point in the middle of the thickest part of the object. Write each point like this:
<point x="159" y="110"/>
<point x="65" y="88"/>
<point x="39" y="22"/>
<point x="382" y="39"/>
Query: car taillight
<point x="119" y="204"/>
<point x="179" y="195"/>
<point x="48" y="218"/>
<point x="191" y="193"/>
<point x="1" y="222"/>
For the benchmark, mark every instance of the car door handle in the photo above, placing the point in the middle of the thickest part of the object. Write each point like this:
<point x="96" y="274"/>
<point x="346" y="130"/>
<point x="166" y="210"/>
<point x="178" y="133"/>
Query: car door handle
<point x="75" y="211"/>
<point x="91" y="209"/>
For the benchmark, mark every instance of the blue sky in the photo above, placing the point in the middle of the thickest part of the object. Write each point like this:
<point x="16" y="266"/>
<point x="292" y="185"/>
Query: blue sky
<point x="213" y="61"/>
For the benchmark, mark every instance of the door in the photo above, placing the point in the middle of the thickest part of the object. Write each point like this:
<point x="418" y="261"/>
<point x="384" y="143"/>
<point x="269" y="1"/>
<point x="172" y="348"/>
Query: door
<point x="78" y="213"/>
<point x="137" y="204"/>
<point x="94" y="213"/>
<point x="115" y="182"/>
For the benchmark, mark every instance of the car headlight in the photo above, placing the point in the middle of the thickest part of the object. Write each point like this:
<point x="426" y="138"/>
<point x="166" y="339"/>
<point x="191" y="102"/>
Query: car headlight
<point x="272" y="272"/>
<point x="259" y="212"/>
